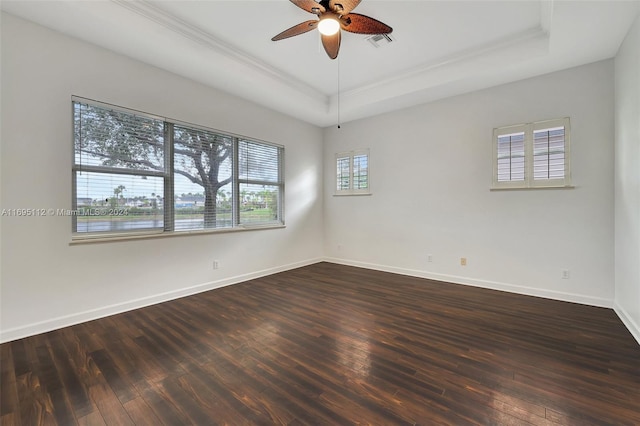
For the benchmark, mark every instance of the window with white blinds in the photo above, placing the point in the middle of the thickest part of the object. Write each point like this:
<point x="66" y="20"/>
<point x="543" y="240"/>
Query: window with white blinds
<point x="137" y="173"/>
<point x="352" y="173"/>
<point x="533" y="155"/>
<point x="260" y="182"/>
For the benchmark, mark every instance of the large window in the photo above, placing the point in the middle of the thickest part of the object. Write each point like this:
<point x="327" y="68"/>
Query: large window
<point x="533" y="155"/>
<point x="137" y="173"/>
<point x="352" y="173"/>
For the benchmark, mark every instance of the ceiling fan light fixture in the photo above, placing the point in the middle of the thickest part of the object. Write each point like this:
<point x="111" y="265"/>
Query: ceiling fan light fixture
<point x="328" y="26"/>
<point x="333" y="16"/>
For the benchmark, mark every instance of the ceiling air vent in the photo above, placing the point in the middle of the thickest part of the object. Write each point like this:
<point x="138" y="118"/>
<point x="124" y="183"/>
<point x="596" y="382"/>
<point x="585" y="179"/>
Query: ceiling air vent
<point x="379" y="40"/>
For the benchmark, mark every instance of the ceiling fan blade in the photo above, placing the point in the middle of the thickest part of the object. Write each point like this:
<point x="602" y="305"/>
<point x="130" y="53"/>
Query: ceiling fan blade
<point x="331" y="44"/>
<point x="297" y="30"/>
<point x="309" y="5"/>
<point x="360" y="24"/>
<point x="342" y="7"/>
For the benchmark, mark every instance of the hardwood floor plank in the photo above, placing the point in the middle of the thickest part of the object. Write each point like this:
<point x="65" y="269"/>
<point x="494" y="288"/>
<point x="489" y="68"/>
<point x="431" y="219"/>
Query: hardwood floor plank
<point x="10" y="419"/>
<point x="329" y="344"/>
<point x="72" y="386"/>
<point x="92" y="419"/>
<point x="184" y="403"/>
<point x="36" y="407"/>
<point x="119" y="382"/>
<point x="212" y="396"/>
<point x="141" y="413"/>
<point x="9" y="404"/>
<point x="109" y="405"/>
<point x="163" y="407"/>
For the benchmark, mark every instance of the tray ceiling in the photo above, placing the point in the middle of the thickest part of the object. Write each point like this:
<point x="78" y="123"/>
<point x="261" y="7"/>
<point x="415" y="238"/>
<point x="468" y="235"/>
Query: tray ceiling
<point x="439" y="48"/>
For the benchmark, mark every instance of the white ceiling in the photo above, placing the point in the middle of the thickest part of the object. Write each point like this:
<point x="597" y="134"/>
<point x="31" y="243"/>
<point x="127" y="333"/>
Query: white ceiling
<point x="440" y="48"/>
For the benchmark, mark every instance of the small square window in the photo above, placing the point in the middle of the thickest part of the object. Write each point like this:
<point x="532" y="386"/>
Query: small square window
<point x="532" y="155"/>
<point x="352" y="173"/>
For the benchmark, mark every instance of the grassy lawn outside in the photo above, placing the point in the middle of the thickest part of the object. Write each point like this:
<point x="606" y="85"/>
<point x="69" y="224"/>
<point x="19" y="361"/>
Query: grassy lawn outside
<point x="251" y="214"/>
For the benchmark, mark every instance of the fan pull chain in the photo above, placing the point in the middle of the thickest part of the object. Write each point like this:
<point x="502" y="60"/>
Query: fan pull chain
<point x="80" y="139"/>
<point x="338" y="100"/>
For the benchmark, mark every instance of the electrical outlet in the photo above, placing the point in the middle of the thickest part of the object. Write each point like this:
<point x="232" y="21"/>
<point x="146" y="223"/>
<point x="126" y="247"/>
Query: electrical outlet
<point x="565" y="274"/>
<point x="429" y="258"/>
<point x="463" y="261"/>
<point x="216" y="264"/>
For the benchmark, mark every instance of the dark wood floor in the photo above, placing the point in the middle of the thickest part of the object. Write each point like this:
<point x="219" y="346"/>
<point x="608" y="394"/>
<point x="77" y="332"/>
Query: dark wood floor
<point x="330" y="344"/>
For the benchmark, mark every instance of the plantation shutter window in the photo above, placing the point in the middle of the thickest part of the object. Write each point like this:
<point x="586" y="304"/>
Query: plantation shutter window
<point x="533" y="155"/>
<point x="511" y="157"/>
<point x="343" y="176"/>
<point x="352" y="173"/>
<point x="551" y="163"/>
<point x="360" y="172"/>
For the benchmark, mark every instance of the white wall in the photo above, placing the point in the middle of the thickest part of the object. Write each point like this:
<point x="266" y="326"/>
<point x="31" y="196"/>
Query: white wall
<point x="45" y="282"/>
<point x="430" y="178"/>
<point x="431" y="172"/>
<point x="627" y="181"/>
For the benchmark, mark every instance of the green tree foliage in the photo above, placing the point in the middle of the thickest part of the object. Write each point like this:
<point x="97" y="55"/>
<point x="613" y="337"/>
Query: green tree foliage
<point x="116" y="139"/>
<point x="204" y="158"/>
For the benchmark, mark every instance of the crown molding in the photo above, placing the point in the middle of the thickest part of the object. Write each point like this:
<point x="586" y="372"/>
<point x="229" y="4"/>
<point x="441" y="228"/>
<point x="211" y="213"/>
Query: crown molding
<point x="171" y="22"/>
<point x="469" y="55"/>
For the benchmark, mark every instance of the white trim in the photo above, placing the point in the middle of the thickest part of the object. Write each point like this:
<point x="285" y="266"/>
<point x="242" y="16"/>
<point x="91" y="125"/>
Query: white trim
<point x="153" y="13"/>
<point x="626" y="319"/>
<point x="93" y="314"/>
<point x="105" y="311"/>
<point x="110" y="238"/>
<point x="492" y="285"/>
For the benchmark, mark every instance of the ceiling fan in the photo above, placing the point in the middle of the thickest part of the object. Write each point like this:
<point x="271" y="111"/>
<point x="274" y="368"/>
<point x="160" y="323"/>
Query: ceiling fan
<point x="333" y="15"/>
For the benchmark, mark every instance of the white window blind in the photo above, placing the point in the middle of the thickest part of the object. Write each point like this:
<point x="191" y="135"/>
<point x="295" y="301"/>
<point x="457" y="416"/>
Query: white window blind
<point x="532" y="155"/>
<point x="203" y="179"/>
<point x="134" y="172"/>
<point x="260" y="182"/>
<point x="119" y="170"/>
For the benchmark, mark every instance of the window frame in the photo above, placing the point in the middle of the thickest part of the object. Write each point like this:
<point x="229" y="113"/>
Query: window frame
<point x="529" y="182"/>
<point x="352" y="155"/>
<point x="168" y="175"/>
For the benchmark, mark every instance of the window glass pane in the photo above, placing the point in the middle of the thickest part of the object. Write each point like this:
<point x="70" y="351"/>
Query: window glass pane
<point x="113" y="202"/>
<point x="258" y="161"/>
<point x="360" y="171"/>
<point x="342" y="168"/>
<point x="259" y="203"/>
<point x="511" y="164"/>
<point x="120" y="177"/>
<point x="203" y="187"/>
<point x="106" y="137"/>
<point x="548" y="153"/>
<point x="259" y="182"/>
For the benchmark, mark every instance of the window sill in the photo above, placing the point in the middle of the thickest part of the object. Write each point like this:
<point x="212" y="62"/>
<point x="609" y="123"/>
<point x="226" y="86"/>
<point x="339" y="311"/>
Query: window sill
<point x="351" y="194"/>
<point x="526" y="188"/>
<point x="97" y="239"/>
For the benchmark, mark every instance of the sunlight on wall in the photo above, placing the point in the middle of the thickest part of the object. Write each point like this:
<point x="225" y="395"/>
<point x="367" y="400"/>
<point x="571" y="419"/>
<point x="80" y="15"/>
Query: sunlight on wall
<point x="303" y="188"/>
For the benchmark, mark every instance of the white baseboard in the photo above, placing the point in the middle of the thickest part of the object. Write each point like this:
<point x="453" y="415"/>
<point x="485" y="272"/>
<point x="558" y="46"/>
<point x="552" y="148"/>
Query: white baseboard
<point x="105" y="311"/>
<point x="626" y="319"/>
<point x="493" y="285"/>
<point x="93" y="314"/>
